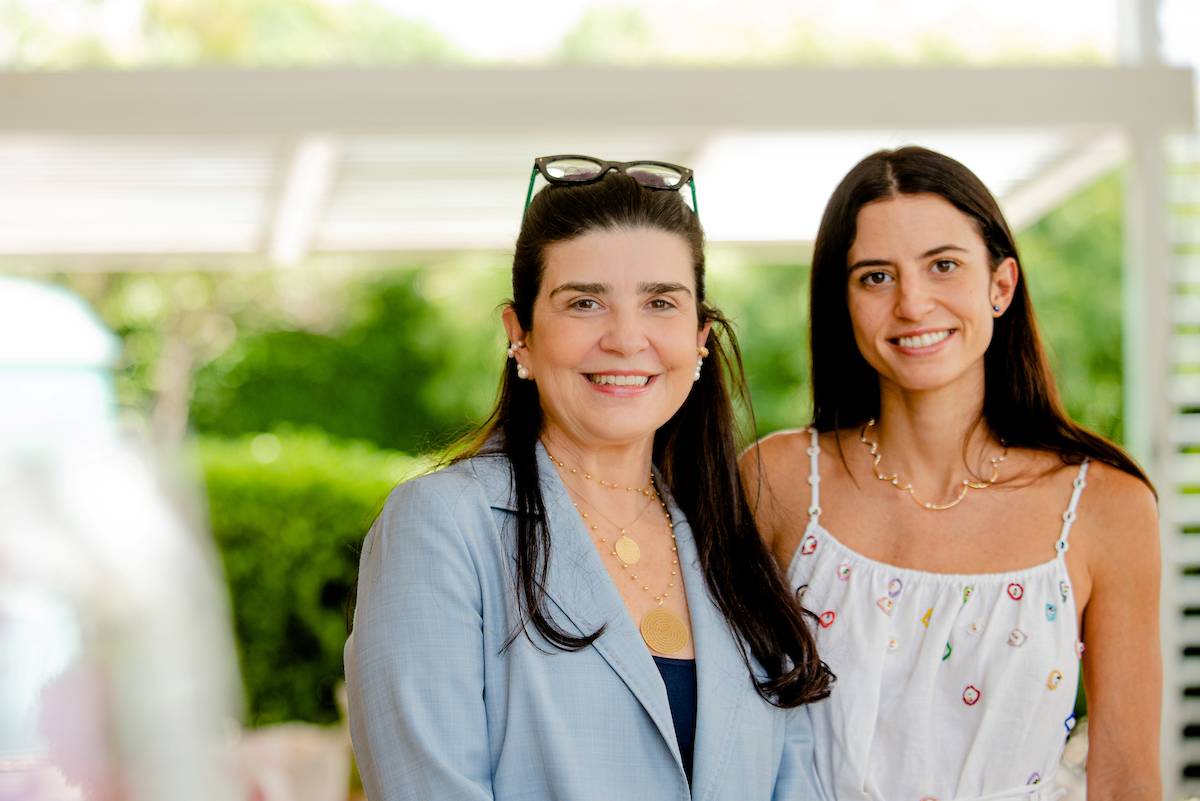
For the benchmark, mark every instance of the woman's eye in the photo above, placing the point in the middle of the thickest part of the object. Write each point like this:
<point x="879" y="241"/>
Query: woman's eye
<point x="945" y="266"/>
<point x="875" y="278"/>
<point x="585" y="304"/>
<point x="661" y="303"/>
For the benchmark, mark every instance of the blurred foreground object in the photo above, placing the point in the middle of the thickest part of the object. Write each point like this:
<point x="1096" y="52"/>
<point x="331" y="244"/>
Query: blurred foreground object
<point x="117" y="676"/>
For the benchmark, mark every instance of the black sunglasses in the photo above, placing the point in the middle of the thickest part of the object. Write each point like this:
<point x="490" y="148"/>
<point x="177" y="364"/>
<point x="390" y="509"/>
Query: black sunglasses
<point x="585" y="170"/>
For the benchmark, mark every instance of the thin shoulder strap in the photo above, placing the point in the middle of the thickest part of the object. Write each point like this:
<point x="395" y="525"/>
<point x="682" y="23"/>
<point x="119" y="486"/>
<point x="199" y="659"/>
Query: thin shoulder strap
<point x="814" y="476"/>
<point x="1069" y="516"/>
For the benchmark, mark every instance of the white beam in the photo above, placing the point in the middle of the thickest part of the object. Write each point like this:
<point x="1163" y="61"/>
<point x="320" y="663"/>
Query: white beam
<point x="1050" y="186"/>
<point x="301" y="200"/>
<point x="409" y="100"/>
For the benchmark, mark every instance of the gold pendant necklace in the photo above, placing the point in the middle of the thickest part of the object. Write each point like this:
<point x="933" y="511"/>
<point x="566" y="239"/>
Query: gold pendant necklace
<point x="661" y="629"/>
<point x="894" y="479"/>
<point x="625" y="548"/>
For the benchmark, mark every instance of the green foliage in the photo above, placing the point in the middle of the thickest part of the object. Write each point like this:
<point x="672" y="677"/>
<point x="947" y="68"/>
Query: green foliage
<point x="276" y="33"/>
<point x="417" y="358"/>
<point x="1072" y="262"/>
<point x="289" y="512"/>
<point x="768" y="304"/>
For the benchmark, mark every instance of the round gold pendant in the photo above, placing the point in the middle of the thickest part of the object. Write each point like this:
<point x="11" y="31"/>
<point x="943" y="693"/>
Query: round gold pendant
<point x="664" y="632"/>
<point x="627" y="550"/>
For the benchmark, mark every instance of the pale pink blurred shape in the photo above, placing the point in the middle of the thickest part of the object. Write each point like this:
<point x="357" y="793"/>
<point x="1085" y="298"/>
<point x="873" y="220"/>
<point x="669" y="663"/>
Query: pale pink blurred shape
<point x="76" y="724"/>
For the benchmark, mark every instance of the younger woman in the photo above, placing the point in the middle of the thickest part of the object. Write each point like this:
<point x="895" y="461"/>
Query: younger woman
<point x="960" y="539"/>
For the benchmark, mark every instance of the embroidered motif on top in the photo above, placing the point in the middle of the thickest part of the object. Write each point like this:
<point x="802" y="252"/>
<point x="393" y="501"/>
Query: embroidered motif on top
<point x="1051" y="612"/>
<point x="843" y="571"/>
<point x="809" y="545"/>
<point x="1016" y="591"/>
<point x="1017" y="638"/>
<point x="971" y="695"/>
<point x="894" y="587"/>
<point x="827" y="617"/>
<point x="1054" y="679"/>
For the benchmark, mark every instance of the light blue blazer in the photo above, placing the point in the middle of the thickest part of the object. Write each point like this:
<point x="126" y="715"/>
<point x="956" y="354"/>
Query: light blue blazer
<point x="441" y="711"/>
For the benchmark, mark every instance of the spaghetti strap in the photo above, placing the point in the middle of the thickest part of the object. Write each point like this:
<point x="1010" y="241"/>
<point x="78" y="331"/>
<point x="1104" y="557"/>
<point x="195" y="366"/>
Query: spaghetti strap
<point x="814" y="476"/>
<point x="1068" y="517"/>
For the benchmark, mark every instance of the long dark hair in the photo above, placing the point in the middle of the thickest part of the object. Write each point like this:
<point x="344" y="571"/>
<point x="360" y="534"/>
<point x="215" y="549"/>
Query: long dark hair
<point x="1020" y="403"/>
<point x="695" y="450"/>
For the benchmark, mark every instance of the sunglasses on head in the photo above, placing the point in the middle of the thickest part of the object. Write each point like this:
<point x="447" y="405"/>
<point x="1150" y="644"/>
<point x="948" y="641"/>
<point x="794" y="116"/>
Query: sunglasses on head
<point x="586" y="170"/>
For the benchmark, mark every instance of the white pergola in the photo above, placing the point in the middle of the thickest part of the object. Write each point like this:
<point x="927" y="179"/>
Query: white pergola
<point x="221" y="169"/>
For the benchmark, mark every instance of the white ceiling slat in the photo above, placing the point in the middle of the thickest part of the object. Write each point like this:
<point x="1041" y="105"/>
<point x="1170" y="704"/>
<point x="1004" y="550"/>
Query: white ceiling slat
<point x="291" y="103"/>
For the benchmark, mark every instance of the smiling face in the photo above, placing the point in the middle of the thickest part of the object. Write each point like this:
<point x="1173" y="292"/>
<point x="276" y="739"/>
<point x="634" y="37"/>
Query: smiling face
<point x="921" y="289"/>
<point x="615" y="334"/>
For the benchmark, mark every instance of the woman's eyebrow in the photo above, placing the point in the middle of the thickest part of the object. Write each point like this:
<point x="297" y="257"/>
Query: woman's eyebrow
<point x="590" y="289"/>
<point x="662" y="288"/>
<point x="885" y="263"/>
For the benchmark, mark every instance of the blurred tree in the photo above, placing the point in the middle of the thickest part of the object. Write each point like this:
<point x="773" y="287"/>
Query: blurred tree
<point x="414" y="360"/>
<point x="1072" y="262"/>
<point x="87" y="33"/>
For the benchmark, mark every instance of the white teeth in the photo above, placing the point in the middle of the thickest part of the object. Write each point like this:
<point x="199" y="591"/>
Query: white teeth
<point x="924" y="340"/>
<point x="620" y="380"/>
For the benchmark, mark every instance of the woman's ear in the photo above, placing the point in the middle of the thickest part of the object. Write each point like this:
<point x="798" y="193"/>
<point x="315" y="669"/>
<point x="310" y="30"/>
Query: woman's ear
<point x="1004" y="284"/>
<point x="512" y="327"/>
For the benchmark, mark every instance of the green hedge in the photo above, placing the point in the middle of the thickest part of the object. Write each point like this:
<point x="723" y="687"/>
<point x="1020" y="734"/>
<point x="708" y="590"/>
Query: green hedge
<point x="289" y="511"/>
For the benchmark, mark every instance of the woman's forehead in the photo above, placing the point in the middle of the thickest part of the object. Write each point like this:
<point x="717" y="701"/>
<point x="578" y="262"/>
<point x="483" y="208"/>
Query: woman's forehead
<point x="619" y="259"/>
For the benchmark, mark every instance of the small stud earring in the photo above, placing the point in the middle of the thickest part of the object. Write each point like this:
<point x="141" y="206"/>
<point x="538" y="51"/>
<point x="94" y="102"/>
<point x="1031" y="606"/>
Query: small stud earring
<point x="522" y="371"/>
<point x="996" y="309"/>
<point x="514" y="347"/>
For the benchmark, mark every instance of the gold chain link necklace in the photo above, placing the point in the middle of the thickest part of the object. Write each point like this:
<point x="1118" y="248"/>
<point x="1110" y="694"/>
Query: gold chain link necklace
<point x="894" y="479"/>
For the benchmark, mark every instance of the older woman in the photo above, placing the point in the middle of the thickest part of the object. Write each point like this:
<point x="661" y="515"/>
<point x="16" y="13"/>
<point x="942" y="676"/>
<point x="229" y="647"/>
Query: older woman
<point x="581" y="607"/>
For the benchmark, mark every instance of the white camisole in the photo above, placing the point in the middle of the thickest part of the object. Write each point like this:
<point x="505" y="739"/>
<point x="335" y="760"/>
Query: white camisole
<point x="949" y="687"/>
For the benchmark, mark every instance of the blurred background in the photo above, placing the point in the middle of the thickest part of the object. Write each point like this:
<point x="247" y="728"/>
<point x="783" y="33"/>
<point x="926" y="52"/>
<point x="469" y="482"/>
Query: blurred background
<point x="292" y="220"/>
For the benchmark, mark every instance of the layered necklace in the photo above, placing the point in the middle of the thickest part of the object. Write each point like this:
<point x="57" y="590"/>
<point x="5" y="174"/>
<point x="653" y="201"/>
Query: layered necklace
<point x="894" y="479"/>
<point x="662" y="630"/>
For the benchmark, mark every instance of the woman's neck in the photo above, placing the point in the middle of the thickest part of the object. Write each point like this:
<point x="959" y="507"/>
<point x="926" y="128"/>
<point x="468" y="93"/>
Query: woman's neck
<point x="620" y="464"/>
<point x="932" y="439"/>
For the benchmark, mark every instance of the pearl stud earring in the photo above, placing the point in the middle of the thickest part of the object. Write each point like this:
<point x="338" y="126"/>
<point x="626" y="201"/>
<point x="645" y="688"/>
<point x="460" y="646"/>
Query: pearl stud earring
<point x="702" y="351"/>
<point x="522" y="371"/>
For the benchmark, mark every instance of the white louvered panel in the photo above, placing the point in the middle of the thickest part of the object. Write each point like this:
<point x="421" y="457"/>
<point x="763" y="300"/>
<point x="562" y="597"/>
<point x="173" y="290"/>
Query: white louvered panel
<point x="1186" y="269"/>
<point x="1185" y="471"/>
<point x="1186" y="551"/>
<point x="1185" y="390"/>
<point x="1189" y="628"/>
<point x="1185" y="431"/>
<point x="1185" y="229"/>
<point x="1189" y="668"/>
<point x="1189" y="753"/>
<point x="1185" y="349"/>
<point x="1185" y="310"/>
<point x="1185" y="505"/>
<point x="1182" y="508"/>
<point x="1189" y="593"/>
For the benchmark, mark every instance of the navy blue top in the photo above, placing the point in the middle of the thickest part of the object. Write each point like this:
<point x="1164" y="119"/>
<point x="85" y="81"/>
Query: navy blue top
<point x="679" y="675"/>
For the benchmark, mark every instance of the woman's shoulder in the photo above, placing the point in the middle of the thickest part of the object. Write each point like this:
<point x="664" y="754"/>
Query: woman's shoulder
<point x="475" y="483"/>
<point x="775" y="450"/>
<point x="1118" y="502"/>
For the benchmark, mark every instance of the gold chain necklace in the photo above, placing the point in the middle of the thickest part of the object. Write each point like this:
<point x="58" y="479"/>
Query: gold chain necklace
<point x="894" y="479"/>
<point x="661" y="629"/>
<point x="645" y="490"/>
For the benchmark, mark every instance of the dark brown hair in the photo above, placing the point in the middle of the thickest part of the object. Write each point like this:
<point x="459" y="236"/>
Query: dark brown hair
<point x="1021" y="404"/>
<point x="695" y="450"/>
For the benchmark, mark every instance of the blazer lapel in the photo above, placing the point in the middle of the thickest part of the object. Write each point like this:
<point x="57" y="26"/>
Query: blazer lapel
<point x="723" y="681"/>
<point x="578" y="584"/>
